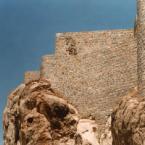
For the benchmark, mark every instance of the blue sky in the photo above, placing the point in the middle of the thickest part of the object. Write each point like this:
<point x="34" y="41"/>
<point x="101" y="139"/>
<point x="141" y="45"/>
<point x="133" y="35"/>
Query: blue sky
<point x="28" y="27"/>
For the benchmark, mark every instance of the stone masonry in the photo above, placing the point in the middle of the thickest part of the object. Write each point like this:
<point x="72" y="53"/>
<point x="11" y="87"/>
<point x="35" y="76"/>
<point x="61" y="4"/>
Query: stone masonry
<point x="94" y="69"/>
<point x="140" y="34"/>
<point x="81" y="86"/>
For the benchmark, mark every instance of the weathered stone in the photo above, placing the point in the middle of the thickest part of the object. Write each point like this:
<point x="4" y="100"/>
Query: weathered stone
<point x="37" y="114"/>
<point x="106" y="136"/>
<point x="92" y="71"/>
<point x="128" y="121"/>
<point x="100" y="72"/>
<point x="140" y="35"/>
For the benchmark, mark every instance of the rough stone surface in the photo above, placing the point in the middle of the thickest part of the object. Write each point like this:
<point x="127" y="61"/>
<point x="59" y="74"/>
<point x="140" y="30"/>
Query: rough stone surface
<point x="93" y="69"/>
<point x="10" y="121"/>
<point x="128" y="121"/>
<point x="140" y="34"/>
<point x="36" y="114"/>
<point x="106" y="136"/>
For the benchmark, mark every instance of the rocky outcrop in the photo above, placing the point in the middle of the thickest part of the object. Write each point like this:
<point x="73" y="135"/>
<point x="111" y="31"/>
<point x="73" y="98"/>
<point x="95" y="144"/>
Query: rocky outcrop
<point x="37" y="114"/>
<point x="10" y="118"/>
<point x="128" y="121"/>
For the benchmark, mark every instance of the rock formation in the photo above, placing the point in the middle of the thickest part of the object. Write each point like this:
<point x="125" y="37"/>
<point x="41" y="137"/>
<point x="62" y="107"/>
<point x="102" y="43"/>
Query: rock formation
<point x="128" y="120"/>
<point x="92" y="70"/>
<point x="37" y="114"/>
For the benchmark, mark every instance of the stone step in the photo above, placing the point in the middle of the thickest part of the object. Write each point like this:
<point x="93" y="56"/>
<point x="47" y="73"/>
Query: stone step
<point x="47" y="65"/>
<point x="31" y="76"/>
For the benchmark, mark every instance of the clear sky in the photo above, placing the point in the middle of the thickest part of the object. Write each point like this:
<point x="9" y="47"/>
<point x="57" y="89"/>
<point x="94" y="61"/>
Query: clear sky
<point x="28" y="27"/>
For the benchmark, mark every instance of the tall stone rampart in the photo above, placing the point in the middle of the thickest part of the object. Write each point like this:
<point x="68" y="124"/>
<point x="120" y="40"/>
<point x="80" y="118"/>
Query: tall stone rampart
<point x="140" y="34"/>
<point x="93" y="69"/>
<point x="85" y="78"/>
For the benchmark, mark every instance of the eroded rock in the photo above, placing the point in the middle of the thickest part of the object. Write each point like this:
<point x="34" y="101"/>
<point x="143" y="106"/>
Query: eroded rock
<point x="37" y="114"/>
<point x="128" y="121"/>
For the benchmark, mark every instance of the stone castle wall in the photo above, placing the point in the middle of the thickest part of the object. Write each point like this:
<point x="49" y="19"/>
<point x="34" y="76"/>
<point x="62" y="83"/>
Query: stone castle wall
<point x="93" y="69"/>
<point x="140" y="34"/>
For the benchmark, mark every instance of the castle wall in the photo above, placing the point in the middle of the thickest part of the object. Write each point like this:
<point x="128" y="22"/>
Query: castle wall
<point x="140" y="34"/>
<point x="93" y="69"/>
